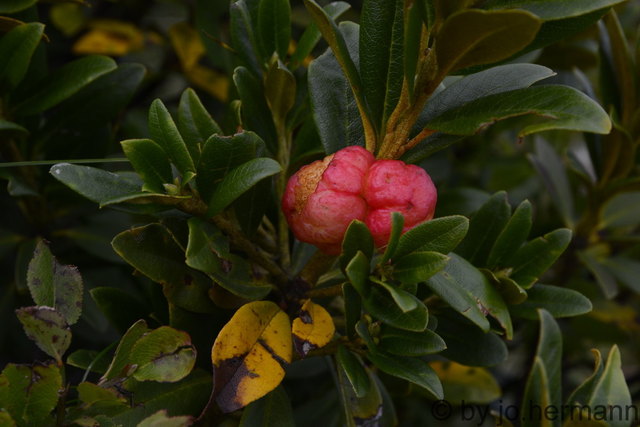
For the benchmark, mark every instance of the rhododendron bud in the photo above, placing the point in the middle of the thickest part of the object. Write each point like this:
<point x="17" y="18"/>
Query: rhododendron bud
<point x="322" y="198"/>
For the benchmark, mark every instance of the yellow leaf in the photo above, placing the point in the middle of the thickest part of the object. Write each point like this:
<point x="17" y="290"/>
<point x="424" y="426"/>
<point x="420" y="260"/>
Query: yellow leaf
<point x="466" y="383"/>
<point x="215" y="83"/>
<point x="249" y="354"/>
<point x="313" y="328"/>
<point x="110" y="37"/>
<point x="68" y="18"/>
<point x="187" y="44"/>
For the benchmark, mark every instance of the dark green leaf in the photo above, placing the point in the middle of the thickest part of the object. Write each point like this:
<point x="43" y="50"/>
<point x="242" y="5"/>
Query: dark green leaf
<point x="473" y="37"/>
<point x="593" y="259"/>
<point x="549" y="10"/>
<point x="163" y="130"/>
<point x="397" y="224"/>
<point x="418" y="266"/>
<point x="352" y="308"/>
<point x="622" y="210"/>
<point x="354" y="371"/>
<point x="12" y="6"/>
<point x="274" y="27"/>
<point x="312" y="36"/>
<point x="535" y="257"/>
<point x="562" y="107"/>
<point x="379" y="305"/>
<point x="239" y="180"/>
<point x="413" y="370"/>
<point x="414" y="13"/>
<point x="150" y="161"/>
<point x="279" y="90"/>
<point x="64" y="82"/>
<point x="549" y="351"/>
<point x="362" y="409"/>
<point x="16" y="49"/>
<point x="243" y="37"/>
<point x="536" y="393"/>
<point x="407" y="343"/>
<point x="195" y="123"/>
<point x="153" y="252"/>
<point x="381" y="64"/>
<point x="92" y="360"/>
<point x="55" y="285"/>
<point x="484" y="228"/>
<point x="255" y="112"/>
<point x="334" y="107"/>
<point x="120" y="307"/>
<point x="273" y="410"/>
<point x="47" y="328"/>
<point x="560" y="302"/>
<point x="468" y="345"/>
<point x="358" y="273"/>
<point x="356" y="238"/>
<point x="6" y="126"/>
<point x="512" y="236"/>
<point x="626" y="270"/>
<point x="120" y="365"/>
<point x="403" y="299"/>
<point x="439" y="235"/>
<point x="29" y="393"/>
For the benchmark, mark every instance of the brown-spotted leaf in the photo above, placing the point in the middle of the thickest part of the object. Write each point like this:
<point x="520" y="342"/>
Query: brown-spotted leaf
<point x="312" y="329"/>
<point x="249" y="355"/>
<point x="47" y="327"/>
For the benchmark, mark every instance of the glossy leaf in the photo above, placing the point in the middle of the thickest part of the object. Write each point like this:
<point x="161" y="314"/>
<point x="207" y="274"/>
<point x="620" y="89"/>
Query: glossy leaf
<point x="239" y="180"/>
<point x="272" y="410"/>
<point x="163" y="355"/>
<point x="418" y="266"/>
<point x="313" y="328"/>
<point x="195" y="123"/>
<point x="152" y="251"/>
<point x="552" y="9"/>
<point x="150" y="161"/>
<point x="439" y="235"/>
<point x="95" y="184"/>
<point x="249" y="354"/>
<point x="563" y="108"/>
<point x="354" y="371"/>
<point x="356" y="238"/>
<point x="16" y="49"/>
<point x="334" y="107"/>
<point x="409" y="343"/>
<point x="164" y="131"/>
<point x="47" y="328"/>
<point x="30" y="393"/>
<point x="559" y="302"/>
<point x="512" y="237"/>
<point x="464" y="384"/>
<point x="411" y="369"/>
<point x="64" y="82"/>
<point x="535" y="257"/>
<point x="397" y="224"/>
<point x="120" y="366"/>
<point x="358" y="273"/>
<point x="379" y="305"/>
<point x="274" y="27"/>
<point x="55" y="285"/>
<point x="473" y="37"/>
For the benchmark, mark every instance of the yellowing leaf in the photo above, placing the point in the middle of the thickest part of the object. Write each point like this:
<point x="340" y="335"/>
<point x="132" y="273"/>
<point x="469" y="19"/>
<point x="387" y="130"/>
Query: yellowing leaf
<point x="110" y="37"/>
<point x="209" y="80"/>
<point x="249" y="354"/>
<point x="68" y="18"/>
<point x="466" y="383"/>
<point x="313" y="328"/>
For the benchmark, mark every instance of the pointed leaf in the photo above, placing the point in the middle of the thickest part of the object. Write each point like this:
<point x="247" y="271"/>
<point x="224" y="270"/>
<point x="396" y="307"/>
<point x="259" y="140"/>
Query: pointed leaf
<point x="249" y="355"/>
<point x="440" y="235"/>
<point x="536" y="394"/>
<point x="150" y="161"/>
<point x="560" y="302"/>
<point x="195" y="123"/>
<point x="403" y="299"/>
<point x="397" y="224"/>
<point x="120" y="366"/>
<point x="313" y="328"/>
<point x="274" y="27"/>
<point x="358" y="273"/>
<point x="512" y="237"/>
<point x="356" y="239"/>
<point x="47" y="328"/>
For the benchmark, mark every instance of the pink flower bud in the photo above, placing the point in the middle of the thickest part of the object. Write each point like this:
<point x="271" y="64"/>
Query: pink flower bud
<point x="322" y="198"/>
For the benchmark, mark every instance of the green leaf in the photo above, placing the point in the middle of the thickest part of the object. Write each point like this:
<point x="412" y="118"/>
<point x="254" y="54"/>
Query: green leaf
<point x="463" y="384"/>
<point x="354" y="371"/>
<point x="536" y="394"/>
<point x="381" y="64"/>
<point x="468" y="345"/>
<point x="484" y="228"/>
<point x="102" y="399"/>
<point x="12" y="6"/>
<point x="195" y="123"/>
<point x="150" y="161"/>
<point x="418" y="266"/>
<point x="549" y="10"/>
<point x="239" y="180"/>
<point x="255" y="112"/>
<point x="55" y="285"/>
<point x="408" y="343"/>
<point x="512" y="236"/>
<point x="622" y="210"/>
<point x="120" y="365"/>
<point x="273" y="410"/>
<point x="337" y="43"/>
<point x="379" y="305"/>
<point x="274" y="27"/>
<point x="208" y="251"/>
<point x="92" y="360"/>
<point x="242" y="32"/>
<point x="403" y="299"/>
<point x="163" y="130"/>
<point x="593" y="258"/>
<point x="560" y="302"/>
<point x="358" y="273"/>
<point x="279" y="90"/>
<point x="120" y="307"/>
<point x="30" y="393"/>
<point x="625" y="269"/>
<point x="16" y="49"/>
<point x="397" y="224"/>
<point x="549" y="352"/>
<point x="312" y="36"/>
<point x="47" y="328"/>
<point x="352" y="308"/>
<point x="473" y="37"/>
<point x="64" y="82"/>
<point x="535" y="257"/>
<point x="363" y="409"/>
<point x="161" y="419"/>
<point x="414" y="13"/>
<point x="334" y="107"/>
<point x="356" y="238"/>
<point x="6" y="126"/>
<point x="153" y="251"/>
<point x="439" y="235"/>
<point x="563" y="108"/>
<point x="164" y="355"/>
<point x="223" y="153"/>
<point x="411" y="369"/>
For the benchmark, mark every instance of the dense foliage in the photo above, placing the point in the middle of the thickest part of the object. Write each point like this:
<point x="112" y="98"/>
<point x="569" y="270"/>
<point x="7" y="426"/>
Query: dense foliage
<point x="151" y="278"/>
